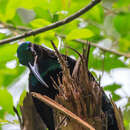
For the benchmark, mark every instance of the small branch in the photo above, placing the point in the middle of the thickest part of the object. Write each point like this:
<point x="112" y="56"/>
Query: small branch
<point x="100" y="47"/>
<point x="10" y="26"/>
<point x="19" y="118"/>
<point x="104" y="49"/>
<point x="52" y="26"/>
<point x="59" y="107"/>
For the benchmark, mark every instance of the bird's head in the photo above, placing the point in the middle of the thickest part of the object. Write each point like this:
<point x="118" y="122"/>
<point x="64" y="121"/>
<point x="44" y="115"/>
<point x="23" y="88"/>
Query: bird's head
<point x="26" y="53"/>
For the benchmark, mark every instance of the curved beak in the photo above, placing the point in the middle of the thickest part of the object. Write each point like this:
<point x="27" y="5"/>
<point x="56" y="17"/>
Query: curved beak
<point x="34" y="70"/>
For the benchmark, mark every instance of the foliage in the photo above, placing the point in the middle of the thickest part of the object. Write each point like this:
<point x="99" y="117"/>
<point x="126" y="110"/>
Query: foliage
<point x="107" y="24"/>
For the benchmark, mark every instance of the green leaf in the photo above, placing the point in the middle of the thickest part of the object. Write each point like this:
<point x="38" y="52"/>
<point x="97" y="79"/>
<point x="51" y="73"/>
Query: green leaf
<point x="74" y="5"/>
<point x="66" y="29"/>
<point x="8" y="51"/>
<point x="96" y="14"/>
<point x="79" y="33"/>
<point x="6" y="101"/>
<point x="115" y="97"/>
<point x="124" y="44"/>
<point x="94" y="75"/>
<point x="16" y="20"/>
<point x="29" y="4"/>
<point x="22" y="97"/>
<point x="75" y="45"/>
<point x="126" y="115"/>
<point x="55" y="17"/>
<point x="37" y="23"/>
<point x="2" y="36"/>
<point x="3" y="7"/>
<point x="121" y="23"/>
<point x="109" y="62"/>
<point x="8" y="54"/>
<point x="11" y="9"/>
<point x="97" y="33"/>
<point x="42" y="13"/>
<point x="121" y="3"/>
<point x="112" y="87"/>
<point x="55" y="6"/>
<point x="10" y="74"/>
<point x="44" y="38"/>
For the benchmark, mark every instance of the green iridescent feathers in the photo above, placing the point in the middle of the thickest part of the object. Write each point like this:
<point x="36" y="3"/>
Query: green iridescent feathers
<point x="24" y="54"/>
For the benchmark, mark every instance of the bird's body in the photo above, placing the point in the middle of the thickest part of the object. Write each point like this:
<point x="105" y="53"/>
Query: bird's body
<point x="49" y="67"/>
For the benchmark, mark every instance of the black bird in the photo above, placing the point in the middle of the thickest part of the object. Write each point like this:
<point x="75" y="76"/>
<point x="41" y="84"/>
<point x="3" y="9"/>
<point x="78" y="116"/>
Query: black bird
<point x="43" y="65"/>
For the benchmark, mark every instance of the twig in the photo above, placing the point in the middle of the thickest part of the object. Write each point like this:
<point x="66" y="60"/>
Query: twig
<point x="10" y="26"/>
<point x="54" y="25"/>
<point x="104" y="49"/>
<point x="98" y="46"/>
<point x="59" y="107"/>
<point x="19" y="118"/>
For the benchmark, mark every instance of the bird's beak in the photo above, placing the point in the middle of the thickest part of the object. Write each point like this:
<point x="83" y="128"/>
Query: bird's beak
<point x="34" y="70"/>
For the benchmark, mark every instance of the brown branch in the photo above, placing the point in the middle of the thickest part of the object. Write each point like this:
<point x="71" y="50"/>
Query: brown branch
<point x="59" y="107"/>
<point x="52" y="26"/>
<point x="10" y="26"/>
<point x="19" y="118"/>
<point x="98" y="46"/>
<point x="103" y="48"/>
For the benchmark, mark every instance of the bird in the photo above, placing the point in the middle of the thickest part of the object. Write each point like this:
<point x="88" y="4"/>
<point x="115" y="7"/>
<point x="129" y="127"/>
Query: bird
<point x="44" y="65"/>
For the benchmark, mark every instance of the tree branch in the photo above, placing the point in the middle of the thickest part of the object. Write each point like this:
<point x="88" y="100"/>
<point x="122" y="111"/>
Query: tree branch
<point x="59" y="107"/>
<point x="103" y="48"/>
<point x="98" y="46"/>
<point x="54" y="25"/>
<point x="10" y="26"/>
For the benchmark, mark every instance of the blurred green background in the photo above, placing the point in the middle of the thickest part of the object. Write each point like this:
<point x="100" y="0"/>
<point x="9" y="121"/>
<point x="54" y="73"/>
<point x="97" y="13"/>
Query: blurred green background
<point x="107" y="24"/>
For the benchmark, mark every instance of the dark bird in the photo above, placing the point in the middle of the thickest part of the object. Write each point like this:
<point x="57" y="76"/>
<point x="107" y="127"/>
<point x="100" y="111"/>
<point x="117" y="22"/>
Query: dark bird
<point x="44" y="66"/>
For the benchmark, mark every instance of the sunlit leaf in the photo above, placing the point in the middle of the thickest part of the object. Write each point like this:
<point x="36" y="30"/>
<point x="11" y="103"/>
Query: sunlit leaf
<point x="107" y="63"/>
<point x="99" y="17"/>
<point x="55" y="5"/>
<point x="74" y="45"/>
<point x="37" y="23"/>
<point x="6" y="101"/>
<point x="108" y="20"/>
<point x="2" y="36"/>
<point x="124" y="44"/>
<point x="3" y="7"/>
<point x="127" y="115"/>
<point x="10" y="74"/>
<point x="121" y="23"/>
<point x="7" y="52"/>
<point x="11" y="9"/>
<point x="22" y="97"/>
<point x="80" y="33"/>
<point x="16" y="20"/>
<point x="112" y="87"/>
<point x="115" y="97"/>
<point x="121" y="3"/>
<point x="66" y="29"/>
<point x="74" y="5"/>
<point x="42" y="13"/>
